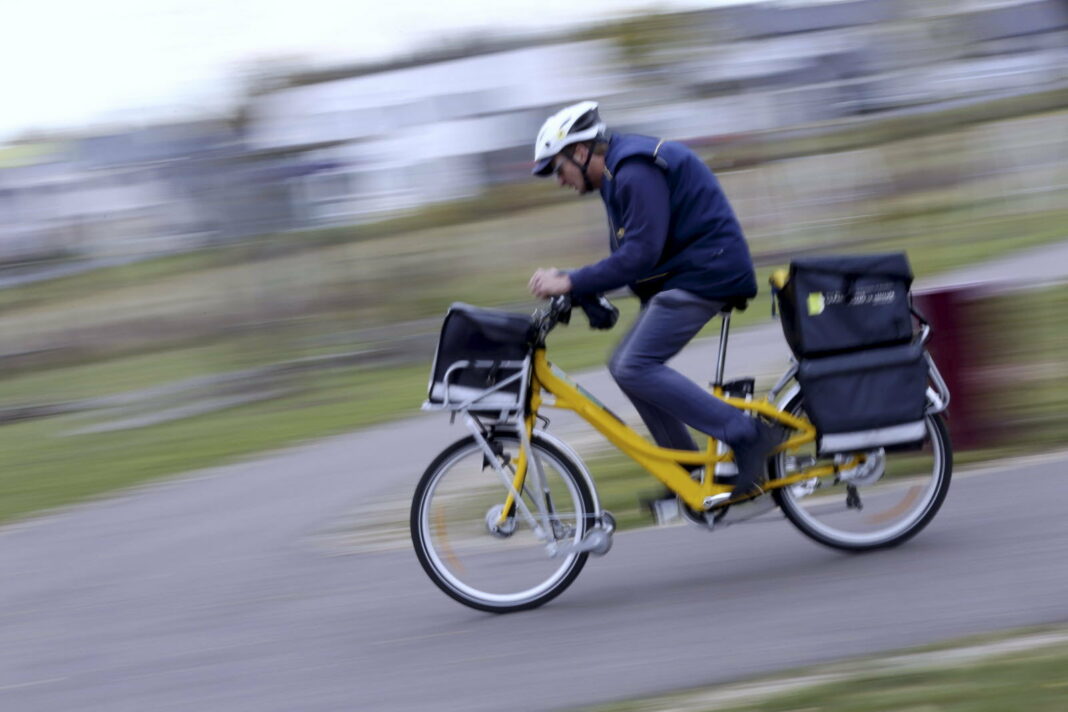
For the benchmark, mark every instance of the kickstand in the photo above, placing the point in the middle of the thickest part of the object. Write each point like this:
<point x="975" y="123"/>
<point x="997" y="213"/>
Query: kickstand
<point x="853" y="498"/>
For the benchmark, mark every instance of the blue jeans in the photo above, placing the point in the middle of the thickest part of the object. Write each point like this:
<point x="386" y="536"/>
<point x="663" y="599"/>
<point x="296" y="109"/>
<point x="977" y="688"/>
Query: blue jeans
<point x="666" y="400"/>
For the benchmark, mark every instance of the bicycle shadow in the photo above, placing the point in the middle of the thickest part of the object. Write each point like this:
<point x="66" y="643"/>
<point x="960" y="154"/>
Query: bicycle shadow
<point x="754" y="563"/>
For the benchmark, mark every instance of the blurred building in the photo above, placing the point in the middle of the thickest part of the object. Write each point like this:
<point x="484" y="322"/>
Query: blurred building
<point x="791" y="63"/>
<point x="139" y="191"/>
<point x="409" y="136"/>
<point x="36" y="193"/>
<point x="350" y="145"/>
<point x="399" y="138"/>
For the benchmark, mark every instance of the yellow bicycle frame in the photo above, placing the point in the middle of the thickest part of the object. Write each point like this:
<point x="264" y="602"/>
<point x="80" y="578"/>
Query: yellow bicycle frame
<point x="663" y="463"/>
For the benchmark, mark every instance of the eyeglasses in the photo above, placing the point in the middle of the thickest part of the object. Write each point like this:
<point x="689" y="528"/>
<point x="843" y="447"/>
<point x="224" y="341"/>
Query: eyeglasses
<point x="567" y="156"/>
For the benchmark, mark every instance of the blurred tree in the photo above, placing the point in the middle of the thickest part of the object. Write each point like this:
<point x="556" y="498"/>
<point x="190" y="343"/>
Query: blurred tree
<point x="262" y="75"/>
<point x="268" y="73"/>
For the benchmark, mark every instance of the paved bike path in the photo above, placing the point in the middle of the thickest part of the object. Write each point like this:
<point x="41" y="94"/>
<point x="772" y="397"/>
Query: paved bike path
<point x="216" y="590"/>
<point x="215" y="622"/>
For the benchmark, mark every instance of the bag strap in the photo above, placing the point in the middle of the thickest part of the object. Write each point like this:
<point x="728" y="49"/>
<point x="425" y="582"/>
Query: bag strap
<point x="850" y="285"/>
<point x="916" y="312"/>
<point x="794" y="268"/>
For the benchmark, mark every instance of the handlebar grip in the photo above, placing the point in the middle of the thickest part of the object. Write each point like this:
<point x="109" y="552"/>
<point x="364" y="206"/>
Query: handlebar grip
<point x="602" y="313"/>
<point x="560" y="308"/>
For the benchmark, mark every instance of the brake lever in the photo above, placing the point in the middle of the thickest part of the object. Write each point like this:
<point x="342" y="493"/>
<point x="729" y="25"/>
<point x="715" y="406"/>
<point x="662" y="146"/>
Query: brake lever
<point x="560" y="307"/>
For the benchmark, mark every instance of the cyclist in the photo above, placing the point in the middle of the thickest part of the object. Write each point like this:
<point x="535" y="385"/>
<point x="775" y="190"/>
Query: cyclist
<point x="677" y="244"/>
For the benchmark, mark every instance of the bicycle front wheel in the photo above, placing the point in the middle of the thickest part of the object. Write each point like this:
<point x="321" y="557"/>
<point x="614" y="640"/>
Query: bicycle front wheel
<point x="494" y="563"/>
<point x="881" y="503"/>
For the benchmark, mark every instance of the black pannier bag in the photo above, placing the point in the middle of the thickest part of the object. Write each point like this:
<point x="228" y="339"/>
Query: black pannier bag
<point x="867" y="399"/>
<point x="836" y="304"/>
<point x="491" y="341"/>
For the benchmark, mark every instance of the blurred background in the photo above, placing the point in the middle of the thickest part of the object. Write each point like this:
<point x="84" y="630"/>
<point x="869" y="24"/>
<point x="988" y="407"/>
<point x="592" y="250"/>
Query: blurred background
<point x="227" y="229"/>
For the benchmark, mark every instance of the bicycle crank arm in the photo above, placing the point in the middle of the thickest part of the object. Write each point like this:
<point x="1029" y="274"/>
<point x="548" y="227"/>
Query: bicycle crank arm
<point x="597" y="541"/>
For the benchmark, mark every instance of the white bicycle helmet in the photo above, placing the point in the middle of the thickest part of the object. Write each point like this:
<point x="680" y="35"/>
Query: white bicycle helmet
<point x="573" y="124"/>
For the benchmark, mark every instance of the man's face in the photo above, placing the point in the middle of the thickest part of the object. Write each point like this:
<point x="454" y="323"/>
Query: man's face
<point x="568" y="170"/>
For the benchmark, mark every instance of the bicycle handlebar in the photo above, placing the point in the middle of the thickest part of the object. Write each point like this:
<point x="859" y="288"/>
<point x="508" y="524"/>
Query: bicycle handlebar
<point x="558" y="311"/>
<point x="600" y="312"/>
<point x="560" y="308"/>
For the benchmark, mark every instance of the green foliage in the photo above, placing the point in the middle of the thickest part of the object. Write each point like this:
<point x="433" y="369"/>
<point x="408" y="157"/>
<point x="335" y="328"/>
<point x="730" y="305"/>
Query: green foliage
<point x="1035" y="681"/>
<point x="969" y="675"/>
<point x="46" y="464"/>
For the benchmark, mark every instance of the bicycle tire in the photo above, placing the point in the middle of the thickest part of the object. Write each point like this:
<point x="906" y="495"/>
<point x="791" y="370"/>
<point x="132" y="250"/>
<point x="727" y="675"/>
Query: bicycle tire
<point x="439" y="554"/>
<point x="929" y="496"/>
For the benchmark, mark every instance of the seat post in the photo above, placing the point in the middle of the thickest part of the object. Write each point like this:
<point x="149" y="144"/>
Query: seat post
<point x="721" y="358"/>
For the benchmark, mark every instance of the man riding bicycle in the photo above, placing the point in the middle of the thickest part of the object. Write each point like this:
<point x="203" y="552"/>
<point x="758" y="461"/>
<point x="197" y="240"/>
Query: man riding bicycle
<point x="677" y="244"/>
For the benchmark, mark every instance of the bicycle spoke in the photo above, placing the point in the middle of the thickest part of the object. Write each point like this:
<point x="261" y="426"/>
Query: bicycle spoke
<point x="456" y="531"/>
<point x="881" y="501"/>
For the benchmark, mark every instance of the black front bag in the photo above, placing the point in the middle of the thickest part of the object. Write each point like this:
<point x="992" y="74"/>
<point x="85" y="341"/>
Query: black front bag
<point x="491" y="341"/>
<point x="838" y="304"/>
<point x="849" y="321"/>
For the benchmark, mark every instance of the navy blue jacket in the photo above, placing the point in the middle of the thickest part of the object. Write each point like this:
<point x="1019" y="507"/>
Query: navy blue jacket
<point x="671" y="226"/>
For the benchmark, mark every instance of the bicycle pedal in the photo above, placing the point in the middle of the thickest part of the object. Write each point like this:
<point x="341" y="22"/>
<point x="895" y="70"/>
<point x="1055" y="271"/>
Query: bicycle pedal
<point x="717" y="500"/>
<point x="665" y="510"/>
<point x="597" y="541"/>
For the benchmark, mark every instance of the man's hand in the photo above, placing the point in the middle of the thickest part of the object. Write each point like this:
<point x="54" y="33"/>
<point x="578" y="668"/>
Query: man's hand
<point x="549" y="282"/>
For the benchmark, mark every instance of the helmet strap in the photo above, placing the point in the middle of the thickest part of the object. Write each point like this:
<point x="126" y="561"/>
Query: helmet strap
<point x="585" y="166"/>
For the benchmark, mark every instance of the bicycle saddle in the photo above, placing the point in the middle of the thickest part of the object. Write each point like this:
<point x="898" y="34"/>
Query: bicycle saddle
<point x="739" y="303"/>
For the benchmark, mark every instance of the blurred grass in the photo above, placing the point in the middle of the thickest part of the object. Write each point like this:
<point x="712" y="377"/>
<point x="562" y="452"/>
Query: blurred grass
<point x="1033" y="680"/>
<point x="499" y="202"/>
<point x="939" y="244"/>
<point x="46" y="466"/>
<point x="127" y="373"/>
<point x="1036" y="681"/>
<point x="1026" y="366"/>
<point x="293" y="303"/>
<point x="984" y="188"/>
<point x="850" y="134"/>
<point x="893" y="137"/>
<point x="384" y="286"/>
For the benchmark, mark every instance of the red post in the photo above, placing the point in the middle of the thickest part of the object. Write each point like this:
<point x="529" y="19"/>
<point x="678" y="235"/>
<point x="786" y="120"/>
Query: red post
<point x="957" y="346"/>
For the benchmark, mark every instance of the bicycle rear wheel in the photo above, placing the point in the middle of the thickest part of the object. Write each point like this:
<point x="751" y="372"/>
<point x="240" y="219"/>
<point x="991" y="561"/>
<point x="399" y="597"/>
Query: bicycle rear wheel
<point x="882" y="503"/>
<point x="470" y="555"/>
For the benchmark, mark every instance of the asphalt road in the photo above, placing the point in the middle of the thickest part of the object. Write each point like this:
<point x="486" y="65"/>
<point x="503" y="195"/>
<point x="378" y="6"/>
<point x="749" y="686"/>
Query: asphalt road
<point x="243" y="588"/>
<point x="171" y="600"/>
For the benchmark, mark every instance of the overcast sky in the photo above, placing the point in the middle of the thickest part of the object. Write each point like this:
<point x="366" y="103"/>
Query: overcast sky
<point x="68" y="63"/>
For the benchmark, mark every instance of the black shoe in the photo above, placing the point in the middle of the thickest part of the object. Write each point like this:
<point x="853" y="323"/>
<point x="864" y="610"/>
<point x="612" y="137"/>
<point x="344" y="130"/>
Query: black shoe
<point x="743" y="492"/>
<point x="752" y="461"/>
